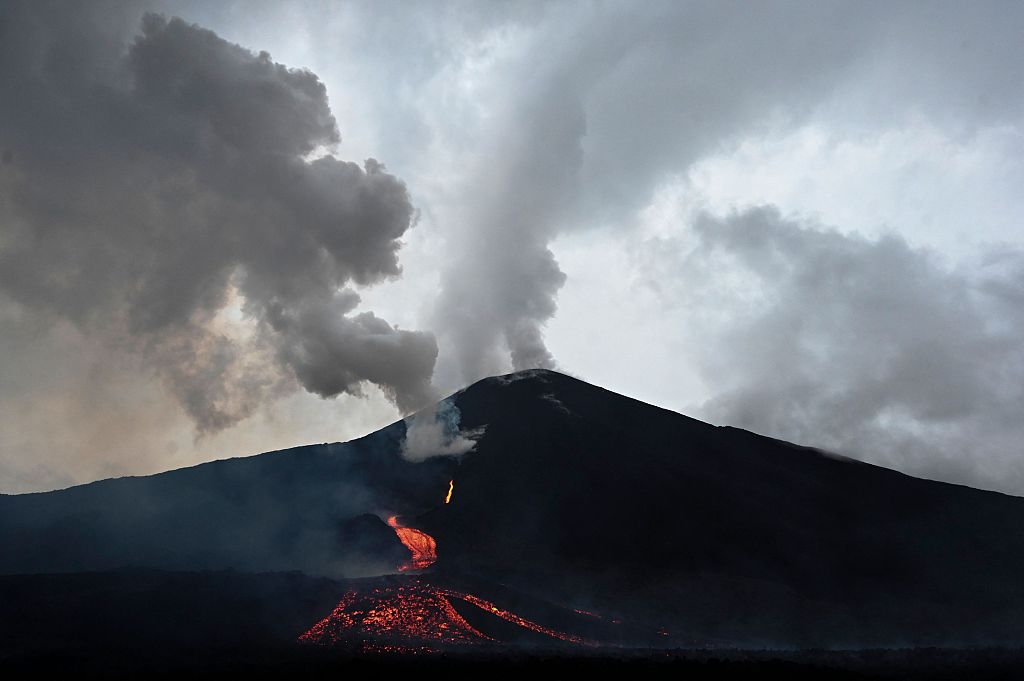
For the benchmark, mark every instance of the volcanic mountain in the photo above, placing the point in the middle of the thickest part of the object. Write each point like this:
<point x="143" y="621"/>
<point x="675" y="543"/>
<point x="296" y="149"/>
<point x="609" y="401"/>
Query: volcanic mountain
<point x="592" y="517"/>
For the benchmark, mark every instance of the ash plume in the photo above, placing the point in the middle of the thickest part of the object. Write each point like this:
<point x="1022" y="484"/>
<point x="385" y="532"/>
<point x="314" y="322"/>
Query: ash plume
<point x="498" y="318"/>
<point x="594" y="106"/>
<point x="583" y="136"/>
<point x="179" y="196"/>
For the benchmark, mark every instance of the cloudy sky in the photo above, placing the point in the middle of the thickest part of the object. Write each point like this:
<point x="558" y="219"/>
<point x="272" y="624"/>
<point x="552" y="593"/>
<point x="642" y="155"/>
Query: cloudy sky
<point x="227" y="228"/>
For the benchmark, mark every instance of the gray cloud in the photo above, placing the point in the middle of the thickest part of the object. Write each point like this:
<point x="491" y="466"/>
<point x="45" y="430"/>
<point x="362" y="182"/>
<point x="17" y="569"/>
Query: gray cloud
<point x="153" y="184"/>
<point x="332" y="352"/>
<point x="150" y="181"/>
<point x="608" y="100"/>
<point x="864" y="346"/>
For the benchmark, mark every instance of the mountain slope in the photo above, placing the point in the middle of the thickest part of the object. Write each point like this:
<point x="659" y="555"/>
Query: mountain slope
<point x="588" y="499"/>
<point x="721" y="532"/>
<point x="294" y="509"/>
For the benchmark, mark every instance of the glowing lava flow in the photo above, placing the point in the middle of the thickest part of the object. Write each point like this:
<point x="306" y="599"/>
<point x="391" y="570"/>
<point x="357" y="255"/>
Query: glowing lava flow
<point x="413" y="613"/>
<point x="516" y="619"/>
<point x="422" y="545"/>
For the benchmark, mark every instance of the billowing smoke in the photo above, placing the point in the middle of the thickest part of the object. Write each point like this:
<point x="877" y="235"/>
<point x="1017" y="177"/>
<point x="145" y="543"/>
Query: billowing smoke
<point x="864" y="346"/>
<point x="435" y="431"/>
<point x="178" y="196"/>
<point x="587" y="108"/>
<point x="618" y="99"/>
<point x="500" y="288"/>
<point x="170" y="199"/>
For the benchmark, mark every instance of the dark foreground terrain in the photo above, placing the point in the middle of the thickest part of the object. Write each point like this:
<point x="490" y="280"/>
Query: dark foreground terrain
<point x="308" y="663"/>
<point x="225" y="624"/>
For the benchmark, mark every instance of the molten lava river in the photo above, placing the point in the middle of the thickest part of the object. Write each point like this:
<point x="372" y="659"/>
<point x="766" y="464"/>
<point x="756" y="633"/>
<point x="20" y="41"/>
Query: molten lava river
<point x="421" y="544"/>
<point x="411" y="613"/>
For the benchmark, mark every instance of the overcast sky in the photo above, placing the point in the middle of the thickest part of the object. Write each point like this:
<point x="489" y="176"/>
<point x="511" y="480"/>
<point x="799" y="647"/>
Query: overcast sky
<point x="227" y="228"/>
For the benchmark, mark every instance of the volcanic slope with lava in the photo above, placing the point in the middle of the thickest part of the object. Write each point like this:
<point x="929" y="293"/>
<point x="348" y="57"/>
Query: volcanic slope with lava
<point x="416" y="613"/>
<point x="426" y="613"/>
<point x="574" y="500"/>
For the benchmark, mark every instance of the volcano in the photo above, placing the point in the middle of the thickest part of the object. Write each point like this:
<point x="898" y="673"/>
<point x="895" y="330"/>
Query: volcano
<point x="581" y="519"/>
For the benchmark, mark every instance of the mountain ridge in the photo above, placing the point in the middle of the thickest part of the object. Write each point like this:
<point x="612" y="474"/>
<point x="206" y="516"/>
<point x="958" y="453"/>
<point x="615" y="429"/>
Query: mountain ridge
<point x="575" y="494"/>
<point x="514" y="376"/>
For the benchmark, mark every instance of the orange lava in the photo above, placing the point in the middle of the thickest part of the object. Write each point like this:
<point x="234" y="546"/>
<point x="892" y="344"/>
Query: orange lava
<point x="516" y="619"/>
<point x="422" y="545"/>
<point x="412" y="616"/>
<point x="587" y="613"/>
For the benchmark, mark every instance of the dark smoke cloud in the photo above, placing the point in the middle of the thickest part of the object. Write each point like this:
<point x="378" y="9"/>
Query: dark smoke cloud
<point x="332" y="352"/>
<point x="868" y="347"/>
<point x="151" y="181"/>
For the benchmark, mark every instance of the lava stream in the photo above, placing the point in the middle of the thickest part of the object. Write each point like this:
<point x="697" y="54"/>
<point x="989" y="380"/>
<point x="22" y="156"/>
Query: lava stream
<point x="393" y="616"/>
<point x="516" y="619"/>
<point x="421" y="544"/>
